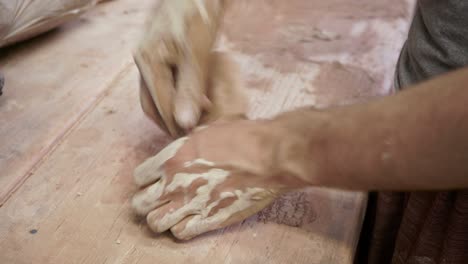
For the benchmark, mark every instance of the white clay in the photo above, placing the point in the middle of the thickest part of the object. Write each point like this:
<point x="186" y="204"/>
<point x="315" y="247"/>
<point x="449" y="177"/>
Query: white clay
<point x="151" y="169"/>
<point x="222" y="196"/>
<point x="145" y="201"/>
<point x="201" y="223"/>
<point x="199" y="162"/>
<point x="213" y="177"/>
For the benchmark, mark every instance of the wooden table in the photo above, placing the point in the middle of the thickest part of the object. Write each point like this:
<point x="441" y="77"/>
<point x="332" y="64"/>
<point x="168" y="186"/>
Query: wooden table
<point x="72" y="131"/>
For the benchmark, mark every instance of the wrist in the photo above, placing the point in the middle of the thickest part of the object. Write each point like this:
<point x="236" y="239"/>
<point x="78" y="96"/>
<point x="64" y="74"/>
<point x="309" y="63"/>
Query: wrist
<point x="302" y="142"/>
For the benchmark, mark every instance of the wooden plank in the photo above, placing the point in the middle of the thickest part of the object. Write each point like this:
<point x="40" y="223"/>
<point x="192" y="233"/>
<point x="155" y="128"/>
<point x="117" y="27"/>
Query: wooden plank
<point x="52" y="81"/>
<point x="78" y="202"/>
<point x="77" y="198"/>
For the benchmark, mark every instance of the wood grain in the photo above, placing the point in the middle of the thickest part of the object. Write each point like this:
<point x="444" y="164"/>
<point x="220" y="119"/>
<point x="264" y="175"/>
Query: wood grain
<point x="74" y="134"/>
<point x="53" y="81"/>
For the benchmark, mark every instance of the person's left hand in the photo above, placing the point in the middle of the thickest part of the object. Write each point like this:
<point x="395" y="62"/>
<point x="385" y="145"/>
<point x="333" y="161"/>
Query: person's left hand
<point x="218" y="176"/>
<point x="174" y="58"/>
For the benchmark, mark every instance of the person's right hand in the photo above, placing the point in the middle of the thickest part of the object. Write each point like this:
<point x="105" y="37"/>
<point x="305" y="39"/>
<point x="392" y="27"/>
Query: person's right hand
<point x="217" y="176"/>
<point x="173" y="57"/>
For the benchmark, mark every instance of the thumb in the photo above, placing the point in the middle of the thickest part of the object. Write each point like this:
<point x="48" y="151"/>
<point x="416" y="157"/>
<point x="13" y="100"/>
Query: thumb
<point x="190" y="99"/>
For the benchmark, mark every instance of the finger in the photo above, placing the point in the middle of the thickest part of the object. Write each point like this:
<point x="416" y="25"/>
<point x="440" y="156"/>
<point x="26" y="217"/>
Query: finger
<point x="193" y="65"/>
<point x="149" y="107"/>
<point x="178" y="229"/>
<point x="163" y="218"/>
<point x="157" y="76"/>
<point x="148" y="199"/>
<point x="194" y="193"/>
<point x="190" y="96"/>
<point x="227" y="213"/>
<point x="152" y="169"/>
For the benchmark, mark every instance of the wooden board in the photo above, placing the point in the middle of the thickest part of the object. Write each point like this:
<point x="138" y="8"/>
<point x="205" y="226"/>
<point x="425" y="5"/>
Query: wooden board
<point x="53" y="81"/>
<point x="71" y="135"/>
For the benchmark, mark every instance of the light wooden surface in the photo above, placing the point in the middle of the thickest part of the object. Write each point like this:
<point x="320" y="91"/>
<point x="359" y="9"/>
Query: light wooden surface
<point x="72" y="131"/>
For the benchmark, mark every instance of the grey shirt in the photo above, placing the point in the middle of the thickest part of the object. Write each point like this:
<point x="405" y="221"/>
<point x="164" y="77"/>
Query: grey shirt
<point x="437" y="41"/>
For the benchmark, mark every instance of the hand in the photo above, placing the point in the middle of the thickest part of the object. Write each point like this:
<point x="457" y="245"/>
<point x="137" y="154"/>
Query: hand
<point x="173" y="59"/>
<point x="216" y="177"/>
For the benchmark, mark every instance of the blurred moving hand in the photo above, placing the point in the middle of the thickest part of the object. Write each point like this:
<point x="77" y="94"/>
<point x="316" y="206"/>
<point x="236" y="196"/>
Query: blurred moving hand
<point x="174" y="58"/>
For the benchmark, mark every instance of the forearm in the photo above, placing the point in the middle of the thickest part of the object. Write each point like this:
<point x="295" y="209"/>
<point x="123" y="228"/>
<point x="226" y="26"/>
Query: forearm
<point x="417" y="139"/>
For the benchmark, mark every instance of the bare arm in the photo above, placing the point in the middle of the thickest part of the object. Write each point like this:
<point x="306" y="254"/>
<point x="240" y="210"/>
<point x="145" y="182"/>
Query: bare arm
<point x="416" y="139"/>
